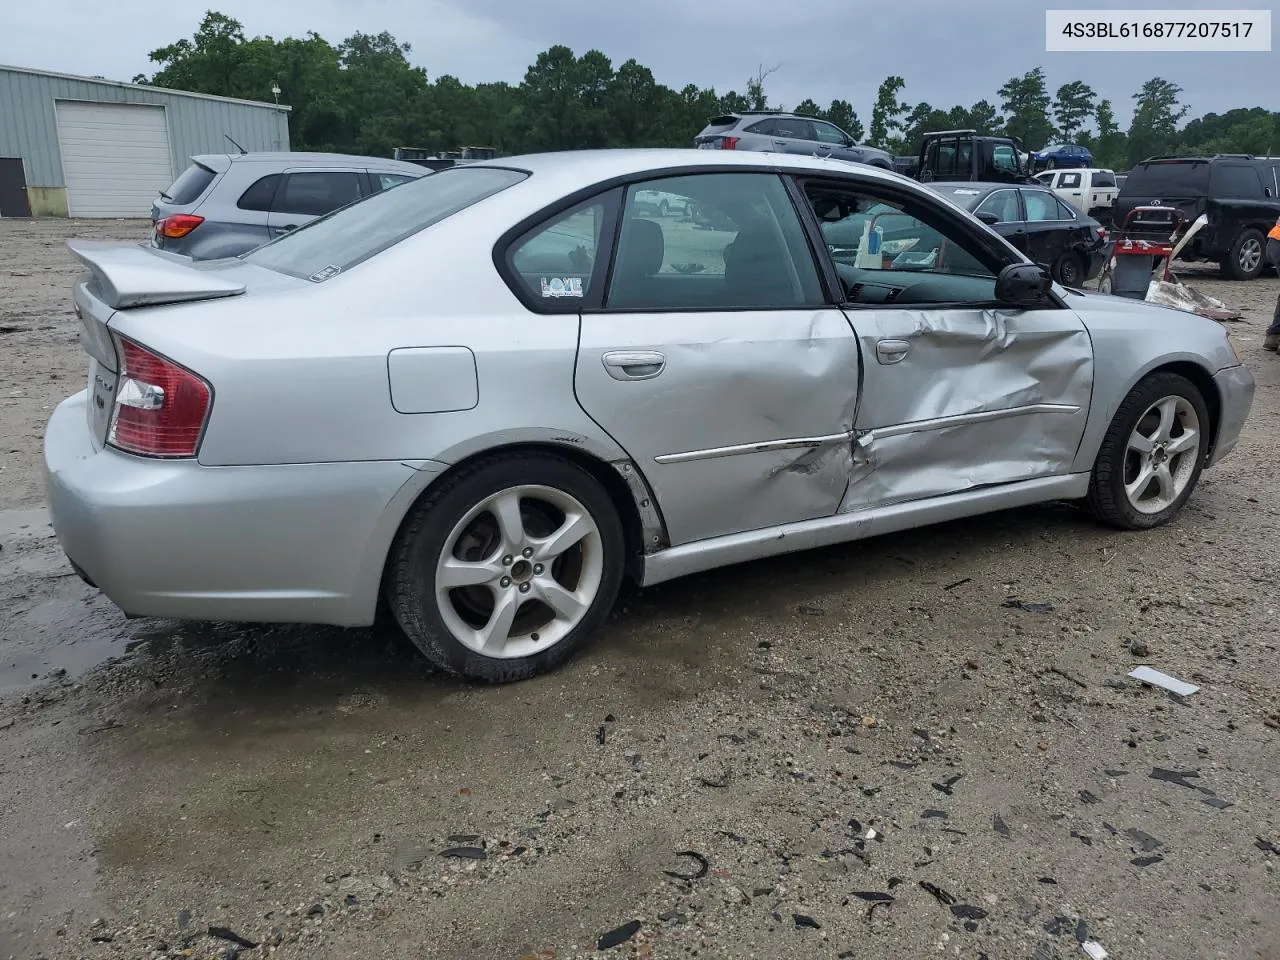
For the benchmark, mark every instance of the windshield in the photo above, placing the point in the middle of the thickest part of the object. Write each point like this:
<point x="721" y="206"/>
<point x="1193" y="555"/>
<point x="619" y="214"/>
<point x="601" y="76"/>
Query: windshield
<point x="1159" y="180"/>
<point x="351" y="234"/>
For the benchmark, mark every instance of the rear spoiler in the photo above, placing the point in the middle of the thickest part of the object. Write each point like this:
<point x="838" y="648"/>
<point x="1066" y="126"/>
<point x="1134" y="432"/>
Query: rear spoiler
<point x="133" y="275"/>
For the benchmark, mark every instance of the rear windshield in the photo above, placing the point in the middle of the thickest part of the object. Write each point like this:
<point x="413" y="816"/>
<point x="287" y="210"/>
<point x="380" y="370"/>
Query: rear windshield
<point x="1160" y="180"/>
<point x="962" y="196"/>
<point x="192" y="182"/>
<point x="1102" y="178"/>
<point x="351" y="234"/>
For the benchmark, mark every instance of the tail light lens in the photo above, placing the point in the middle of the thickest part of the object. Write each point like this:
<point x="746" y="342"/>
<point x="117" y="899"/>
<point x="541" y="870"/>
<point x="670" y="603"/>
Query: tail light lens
<point x="178" y="225"/>
<point x="728" y="143"/>
<point x="160" y="408"/>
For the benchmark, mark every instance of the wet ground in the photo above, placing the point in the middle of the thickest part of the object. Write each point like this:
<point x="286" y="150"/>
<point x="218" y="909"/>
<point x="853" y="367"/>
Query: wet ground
<point x="860" y="725"/>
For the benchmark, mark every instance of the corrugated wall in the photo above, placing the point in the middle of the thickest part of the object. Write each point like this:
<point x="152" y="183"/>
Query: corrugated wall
<point x="196" y="124"/>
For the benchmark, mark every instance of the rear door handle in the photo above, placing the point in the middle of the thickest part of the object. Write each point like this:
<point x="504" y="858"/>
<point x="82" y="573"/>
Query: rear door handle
<point x="892" y="351"/>
<point x="634" y="364"/>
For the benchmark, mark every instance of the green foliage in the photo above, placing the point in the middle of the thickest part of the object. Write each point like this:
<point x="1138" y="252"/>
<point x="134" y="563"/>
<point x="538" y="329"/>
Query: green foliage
<point x="1026" y="100"/>
<point x="364" y="95"/>
<point x="1073" y="107"/>
<point x="886" y="115"/>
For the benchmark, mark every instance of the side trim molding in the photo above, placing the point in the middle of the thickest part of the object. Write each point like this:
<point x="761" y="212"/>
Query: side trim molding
<point x="793" y="537"/>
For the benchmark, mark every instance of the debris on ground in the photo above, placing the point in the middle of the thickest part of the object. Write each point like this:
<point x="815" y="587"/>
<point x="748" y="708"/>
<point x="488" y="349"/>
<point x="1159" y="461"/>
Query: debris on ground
<point x="937" y="893"/>
<point x="223" y="933"/>
<point x="1178" y="777"/>
<point x="703" y="866"/>
<point x="1165" y="682"/>
<point x="1014" y="603"/>
<point x="802" y="921"/>
<point x="999" y="826"/>
<point x="619" y="936"/>
<point x="1094" y="949"/>
<point x="465" y="853"/>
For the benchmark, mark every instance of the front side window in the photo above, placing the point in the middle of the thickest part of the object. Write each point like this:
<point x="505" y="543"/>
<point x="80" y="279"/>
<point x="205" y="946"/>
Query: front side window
<point x="1002" y="203"/>
<point x="337" y="242"/>
<point x="827" y="133"/>
<point x="741" y="247"/>
<point x="317" y="193"/>
<point x="1041" y="206"/>
<point x="893" y="254"/>
<point x="555" y="262"/>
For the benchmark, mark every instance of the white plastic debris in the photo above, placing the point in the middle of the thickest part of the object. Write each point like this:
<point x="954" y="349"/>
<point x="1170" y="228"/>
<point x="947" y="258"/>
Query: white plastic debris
<point x="1164" y="681"/>
<point x="1094" y="949"/>
<point x="871" y="833"/>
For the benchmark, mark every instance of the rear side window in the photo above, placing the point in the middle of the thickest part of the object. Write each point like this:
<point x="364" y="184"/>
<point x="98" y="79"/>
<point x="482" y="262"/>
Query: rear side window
<point x="1042" y="206"/>
<point x="1237" y="182"/>
<point x="260" y="193"/>
<point x="385" y="181"/>
<point x="1161" y="180"/>
<point x="317" y="193"/>
<point x="1103" y="178"/>
<point x="192" y="182"/>
<point x="1069" y="180"/>
<point x="324" y="247"/>
<point x="557" y="261"/>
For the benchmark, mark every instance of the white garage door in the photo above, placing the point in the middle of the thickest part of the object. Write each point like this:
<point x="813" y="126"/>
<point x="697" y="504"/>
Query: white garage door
<point x="115" y="157"/>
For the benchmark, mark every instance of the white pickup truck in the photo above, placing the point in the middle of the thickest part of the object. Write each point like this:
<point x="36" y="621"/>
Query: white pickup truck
<point x="1089" y="189"/>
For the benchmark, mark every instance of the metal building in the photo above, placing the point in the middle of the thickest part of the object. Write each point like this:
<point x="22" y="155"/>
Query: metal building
<point x="86" y="147"/>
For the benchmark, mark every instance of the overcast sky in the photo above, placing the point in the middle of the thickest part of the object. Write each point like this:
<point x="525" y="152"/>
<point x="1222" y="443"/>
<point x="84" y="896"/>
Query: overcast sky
<point x="948" y="51"/>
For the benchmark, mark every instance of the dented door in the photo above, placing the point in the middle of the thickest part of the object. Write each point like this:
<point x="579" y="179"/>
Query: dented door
<point x="958" y="398"/>
<point x="739" y="420"/>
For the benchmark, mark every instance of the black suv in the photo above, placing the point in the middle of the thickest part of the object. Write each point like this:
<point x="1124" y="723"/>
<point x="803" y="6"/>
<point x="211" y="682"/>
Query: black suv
<point x="966" y="155"/>
<point x="1239" y="193"/>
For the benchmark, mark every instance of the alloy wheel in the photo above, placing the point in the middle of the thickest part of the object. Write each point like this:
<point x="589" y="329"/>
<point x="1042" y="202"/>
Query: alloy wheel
<point x="519" y="571"/>
<point x="1250" y="255"/>
<point x="1160" y="458"/>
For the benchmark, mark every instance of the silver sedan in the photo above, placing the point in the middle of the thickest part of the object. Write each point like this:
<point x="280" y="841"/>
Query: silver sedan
<point x="485" y="398"/>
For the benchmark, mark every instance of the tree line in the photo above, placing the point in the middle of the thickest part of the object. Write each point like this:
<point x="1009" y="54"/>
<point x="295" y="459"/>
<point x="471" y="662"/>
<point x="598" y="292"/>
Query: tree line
<point x="364" y="96"/>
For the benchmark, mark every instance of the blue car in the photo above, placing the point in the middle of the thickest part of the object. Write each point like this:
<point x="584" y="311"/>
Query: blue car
<point x="1057" y="155"/>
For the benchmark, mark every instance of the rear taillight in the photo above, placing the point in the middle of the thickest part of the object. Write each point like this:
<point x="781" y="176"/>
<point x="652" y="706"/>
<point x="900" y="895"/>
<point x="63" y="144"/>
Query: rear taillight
<point x="160" y="407"/>
<point x="728" y="143"/>
<point x="178" y="225"/>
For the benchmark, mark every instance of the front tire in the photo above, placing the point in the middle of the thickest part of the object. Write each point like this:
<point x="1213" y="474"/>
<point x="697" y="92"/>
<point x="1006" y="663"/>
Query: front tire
<point x="1245" y="260"/>
<point x="508" y="568"/>
<point x="664" y="209"/>
<point x="1152" y="455"/>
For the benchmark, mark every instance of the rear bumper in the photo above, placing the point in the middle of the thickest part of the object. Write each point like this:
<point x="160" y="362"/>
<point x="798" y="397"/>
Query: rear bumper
<point x="300" y="543"/>
<point x="1235" y="389"/>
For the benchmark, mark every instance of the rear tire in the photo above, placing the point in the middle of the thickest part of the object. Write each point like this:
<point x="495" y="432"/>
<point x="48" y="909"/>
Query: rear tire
<point x="1152" y="455"/>
<point x="508" y="568"/>
<point x="1246" y="258"/>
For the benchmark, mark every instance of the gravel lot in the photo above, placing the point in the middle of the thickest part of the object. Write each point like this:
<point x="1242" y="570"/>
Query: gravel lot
<point x="297" y="786"/>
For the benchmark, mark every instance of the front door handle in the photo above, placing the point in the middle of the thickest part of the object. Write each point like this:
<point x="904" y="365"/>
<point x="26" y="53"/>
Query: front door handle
<point x="634" y="364"/>
<point x="892" y="351"/>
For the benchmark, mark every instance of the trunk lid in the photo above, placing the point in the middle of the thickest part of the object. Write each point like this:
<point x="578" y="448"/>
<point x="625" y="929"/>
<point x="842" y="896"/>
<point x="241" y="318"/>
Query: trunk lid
<point x="1182" y="185"/>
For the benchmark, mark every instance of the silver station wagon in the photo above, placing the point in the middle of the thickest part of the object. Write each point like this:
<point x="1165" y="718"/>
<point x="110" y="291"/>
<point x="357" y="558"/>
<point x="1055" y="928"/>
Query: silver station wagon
<point x="486" y="397"/>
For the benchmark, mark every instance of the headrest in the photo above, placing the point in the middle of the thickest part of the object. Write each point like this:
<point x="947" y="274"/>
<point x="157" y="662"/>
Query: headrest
<point x="643" y="248"/>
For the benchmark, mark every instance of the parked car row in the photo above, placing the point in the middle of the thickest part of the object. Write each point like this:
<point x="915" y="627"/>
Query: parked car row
<point x="224" y="205"/>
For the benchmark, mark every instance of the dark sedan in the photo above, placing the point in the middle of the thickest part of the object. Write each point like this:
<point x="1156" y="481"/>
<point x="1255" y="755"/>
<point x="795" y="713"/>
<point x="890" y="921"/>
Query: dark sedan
<point x="1048" y="230"/>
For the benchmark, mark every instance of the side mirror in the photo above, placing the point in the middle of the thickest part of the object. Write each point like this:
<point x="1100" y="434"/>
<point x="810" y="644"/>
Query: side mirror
<point x="989" y="218"/>
<point x="1023" y="285"/>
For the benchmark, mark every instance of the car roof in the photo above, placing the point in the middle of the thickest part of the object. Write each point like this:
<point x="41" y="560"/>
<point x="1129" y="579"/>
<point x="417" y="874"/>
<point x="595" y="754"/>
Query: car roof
<point x="221" y="162"/>
<point x="980" y="186"/>
<point x="593" y="166"/>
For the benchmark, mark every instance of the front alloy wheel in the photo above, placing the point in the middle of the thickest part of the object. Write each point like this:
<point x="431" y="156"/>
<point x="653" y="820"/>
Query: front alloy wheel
<point x="507" y="567"/>
<point x="1151" y="455"/>
<point x="1161" y="456"/>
